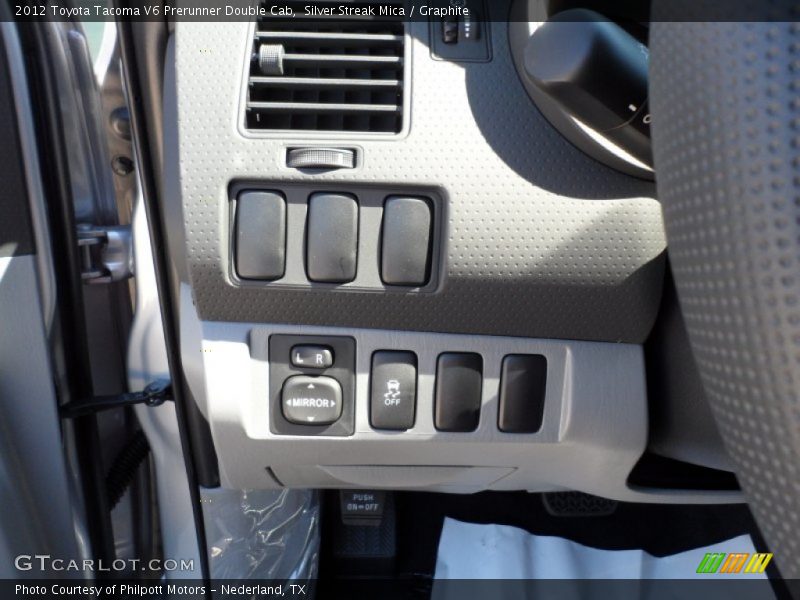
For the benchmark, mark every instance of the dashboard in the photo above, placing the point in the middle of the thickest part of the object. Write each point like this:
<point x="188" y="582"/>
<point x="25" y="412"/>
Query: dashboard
<point x="414" y="281"/>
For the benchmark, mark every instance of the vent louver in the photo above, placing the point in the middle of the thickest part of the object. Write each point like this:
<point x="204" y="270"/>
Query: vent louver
<point x="327" y="74"/>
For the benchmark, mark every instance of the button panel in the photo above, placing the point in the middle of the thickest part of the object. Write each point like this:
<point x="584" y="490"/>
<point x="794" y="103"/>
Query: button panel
<point x="347" y="237"/>
<point x="393" y="388"/>
<point x="313" y="389"/>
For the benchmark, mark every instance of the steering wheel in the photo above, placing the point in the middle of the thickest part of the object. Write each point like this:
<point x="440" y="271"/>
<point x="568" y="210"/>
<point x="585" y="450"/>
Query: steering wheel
<point x="725" y="100"/>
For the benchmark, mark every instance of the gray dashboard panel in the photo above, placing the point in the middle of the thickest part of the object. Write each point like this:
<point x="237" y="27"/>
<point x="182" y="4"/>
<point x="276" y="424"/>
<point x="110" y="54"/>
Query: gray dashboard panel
<point x="595" y="399"/>
<point x="540" y="240"/>
<point x="594" y="428"/>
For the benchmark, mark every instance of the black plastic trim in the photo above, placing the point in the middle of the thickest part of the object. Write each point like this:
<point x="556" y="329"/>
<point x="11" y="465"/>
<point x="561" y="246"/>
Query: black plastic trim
<point x="660" y="472"/>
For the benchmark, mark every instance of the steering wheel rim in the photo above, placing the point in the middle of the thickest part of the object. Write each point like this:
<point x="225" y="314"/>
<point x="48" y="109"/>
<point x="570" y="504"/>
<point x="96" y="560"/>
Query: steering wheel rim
<point x="725" y="100"/>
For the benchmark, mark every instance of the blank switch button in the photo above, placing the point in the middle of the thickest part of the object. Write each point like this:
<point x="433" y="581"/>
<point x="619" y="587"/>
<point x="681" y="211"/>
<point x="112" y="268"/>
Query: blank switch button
<point x="260" y="235"/>
<point x="459" y="379"/>
<point x="332" y="238"/>
<point x="406" y="241"/>
<point x="523" y="382"/>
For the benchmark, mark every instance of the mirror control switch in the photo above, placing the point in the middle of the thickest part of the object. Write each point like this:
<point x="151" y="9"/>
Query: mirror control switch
<point x="311" y="400"/>
<point x="312" y="357"/>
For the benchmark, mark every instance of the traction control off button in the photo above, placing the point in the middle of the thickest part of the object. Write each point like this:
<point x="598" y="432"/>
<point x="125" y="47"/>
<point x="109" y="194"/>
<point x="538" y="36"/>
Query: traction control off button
<point x="311" y="400"/>
<point x="394" y="390"/>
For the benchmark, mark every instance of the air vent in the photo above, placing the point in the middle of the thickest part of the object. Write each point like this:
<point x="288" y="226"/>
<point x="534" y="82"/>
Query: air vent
<point x="327" y="74"/>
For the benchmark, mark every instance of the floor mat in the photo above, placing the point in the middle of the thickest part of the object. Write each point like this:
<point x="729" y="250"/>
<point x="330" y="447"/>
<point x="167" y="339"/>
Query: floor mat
<point x="471" y="551"/>
<point x="658" y="529"/>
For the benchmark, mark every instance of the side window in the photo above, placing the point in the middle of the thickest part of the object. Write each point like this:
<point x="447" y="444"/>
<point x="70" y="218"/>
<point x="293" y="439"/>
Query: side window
<point x="94" y="36"/>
